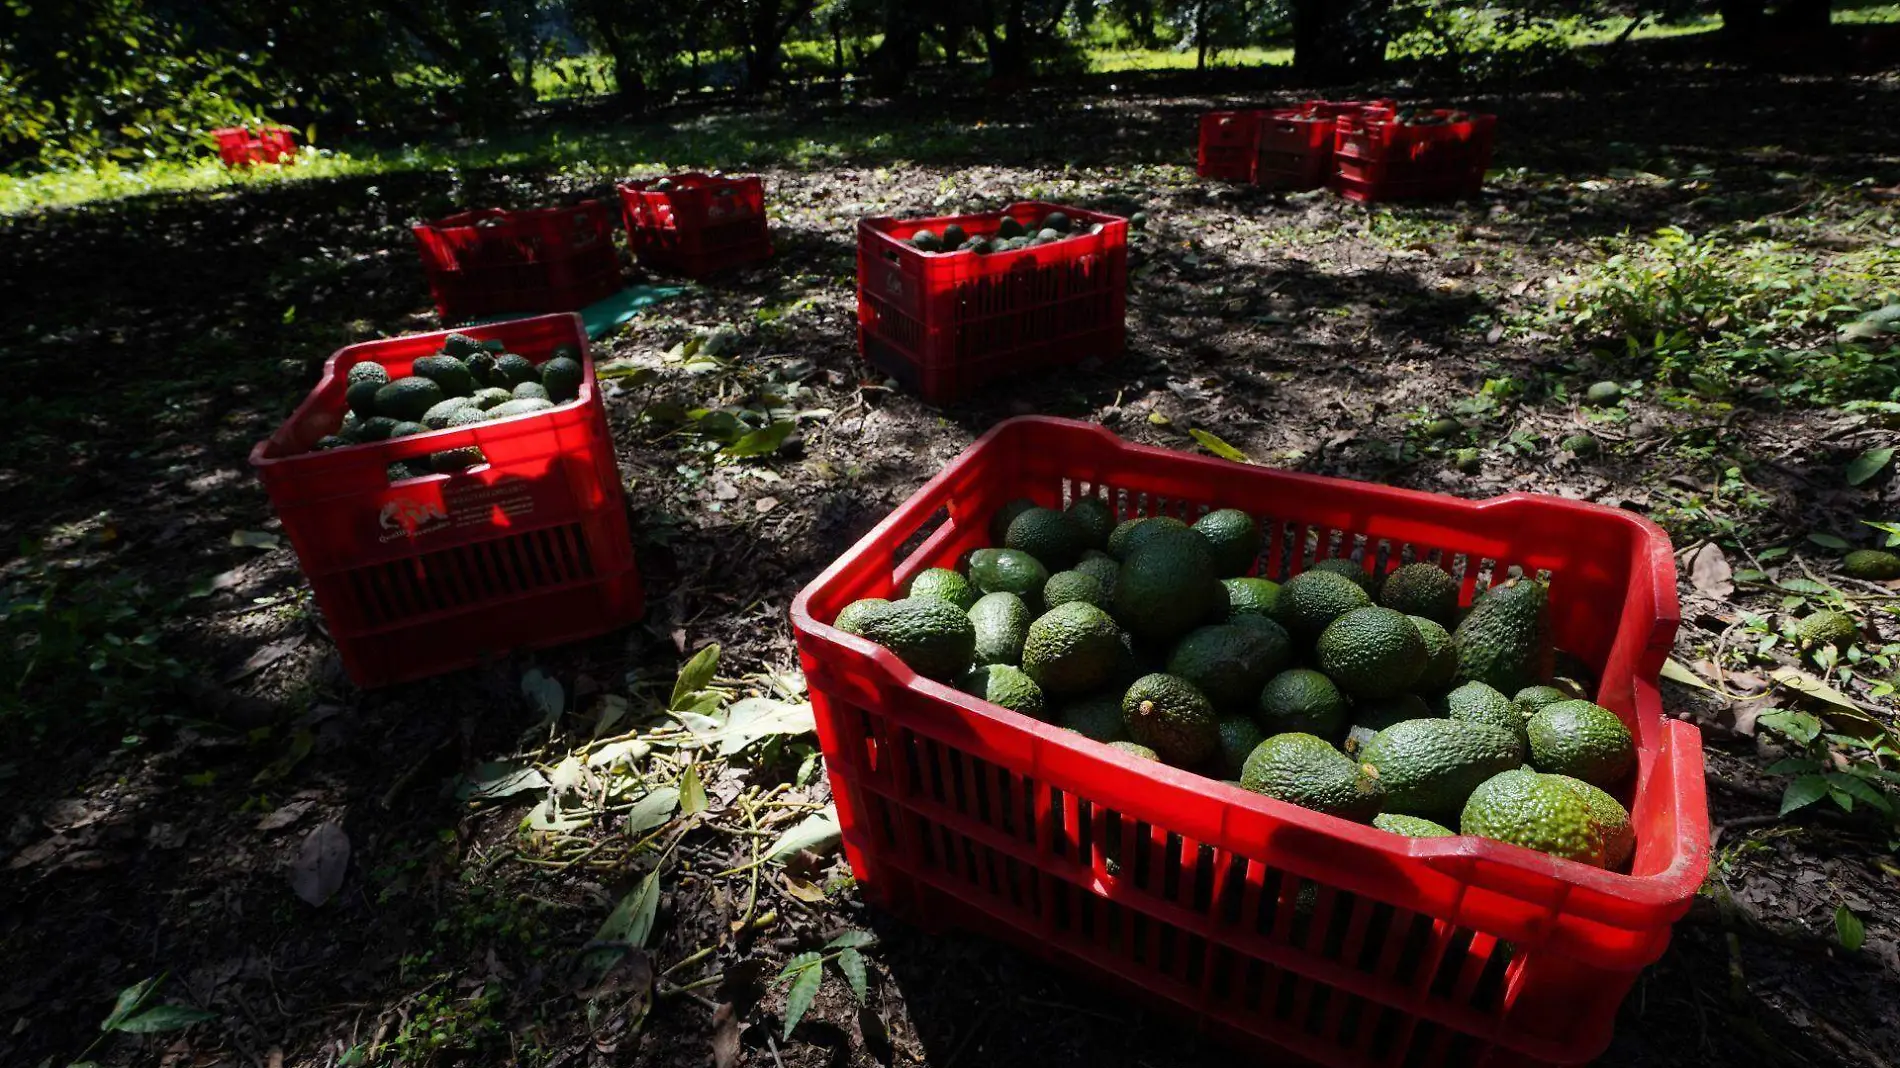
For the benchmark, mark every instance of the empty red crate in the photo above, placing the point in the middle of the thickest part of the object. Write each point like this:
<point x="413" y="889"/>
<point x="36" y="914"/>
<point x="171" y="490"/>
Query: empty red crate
<point x="496" y="262"/>
<point x="1378" y="158"/>
<point x="944" y="324"/>
<point x="1227" y="145"/>
<point x="1263" y="922"/>
<point x="1295" y="145"/>
<point x="428" y="574"/>
<point x="239" y="147"/>
<point x="701" y="225"/>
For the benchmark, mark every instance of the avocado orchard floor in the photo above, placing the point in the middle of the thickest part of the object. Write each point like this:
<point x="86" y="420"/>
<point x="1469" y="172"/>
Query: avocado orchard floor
<point x="150" y="341"/>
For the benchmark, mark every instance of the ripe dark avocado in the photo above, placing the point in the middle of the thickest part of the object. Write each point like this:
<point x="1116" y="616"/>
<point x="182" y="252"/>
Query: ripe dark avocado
<point x="1066" y="586"/>
<point x="511" y="370"/>
<point x="1132" y="534"/>
<point x="1371" y="717"/>
<point x="445" y="371"/>
<point x="331" y="441"/>
<point x="1002" y="623"/>
<point x="1302" y="701"/>
<point x="1072" y="649"/>
<point x="1057" y="221"/>
<point x="1349" y="569"/>
<point x="1166" y="587"/>
<point x="1872" y="565"/>
<point x="852" y="617"/>
<point x="1536" y="811"/>
<point x="1230" y="664"/>
<point x="1422" y="589"/>
<point x="1103" y="569"/>
<point x="408" y="398"/>
<point x="1009" y="227"/>
<point x="368" y="371"/>
<point x="1411" y="826"/>
<point x="1311" y="600"/>
<point x="1234" y="537"/>
<point x="562" y="378"/>
<point x="1372" y="652"/>
<point x="449" y="461"/>
<point x="520" y="406"/>
<point x="1008" y="571"/>
<point x="1098" y="716"/>
<point x="1303" y="770"/>
<point x="1171" y="717"/>
<point x="361" y="396"/>
<point x="1251" y="596"/>
<point x="1619" y="837"/>
<point x="944" y="584"/>
<point x="999" y="523"/>
<point x="1429" y="766"/>
<point x="933" y="636"/>
<point x="1584" y="741"/>
<point x="1001" y="684"/>
<point x="1475" y="702"/>
<point x="1239" y="737"/>
<point x="1441" y="657"/>
<point x="1092" y="519"/>
<point x="1505" y="641"/>
<point x="1047" y="535"/>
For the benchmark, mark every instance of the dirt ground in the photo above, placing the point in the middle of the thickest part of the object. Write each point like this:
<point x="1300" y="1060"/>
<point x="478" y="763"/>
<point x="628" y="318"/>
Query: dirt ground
<point x="158" y="338"/>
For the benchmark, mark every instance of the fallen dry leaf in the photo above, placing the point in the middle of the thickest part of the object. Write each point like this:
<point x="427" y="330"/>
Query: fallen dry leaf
<point x="1710" y="574"/>
<point x="317" y="873"/>
<point x="725" y="1039"/>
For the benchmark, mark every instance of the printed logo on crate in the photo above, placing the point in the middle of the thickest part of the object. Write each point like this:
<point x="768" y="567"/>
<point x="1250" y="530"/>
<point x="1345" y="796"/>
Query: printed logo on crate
<point x="406" y="517"/>
<point x="463" y="504"/>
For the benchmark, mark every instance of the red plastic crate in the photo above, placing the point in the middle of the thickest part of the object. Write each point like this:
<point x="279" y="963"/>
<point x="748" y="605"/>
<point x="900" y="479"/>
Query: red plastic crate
<point x="1295" y="145"/>
<point x="496" y="262"/>
<point x="1261" y="921"/>
<point x="701" y="226"/>
<point x="1379" y="159"/>
<point x="945" y="324"/>
<point x="239" y="147"/>
<point x="1227" y="145"/>
<point x="429" y="574"/>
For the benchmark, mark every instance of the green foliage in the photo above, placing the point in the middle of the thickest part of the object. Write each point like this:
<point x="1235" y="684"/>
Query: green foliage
<point x="1847" y="770"/>
<point x="76" y="637"/>
<point x="804" y="974"/>
<point x="1713" y="315"/>
<point x="88" y="80"/>
<point x="1461" y="41"/>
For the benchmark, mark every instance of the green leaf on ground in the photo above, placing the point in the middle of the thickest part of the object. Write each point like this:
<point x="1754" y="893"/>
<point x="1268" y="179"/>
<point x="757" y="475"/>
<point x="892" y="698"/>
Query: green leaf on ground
<point x="653" y="810"/>
<point x="1848" y="929"/>
<point x="498" y="779"/>
<point x="695" y="676"/>
<point x="804" y="991"/>
<point x="1868" y="464"/>
<point x="761" y="441"/>
<point x="1218" y="447"/>
<point x="692" y="794"/>
<point x="631" y="921"/>
<point x="754" y="718"/>
<point x="1803" y="792"/>
<point x="817" y="833"/>
<point x="851" y="963"/>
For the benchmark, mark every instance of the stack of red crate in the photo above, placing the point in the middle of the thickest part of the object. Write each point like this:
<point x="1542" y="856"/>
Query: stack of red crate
<point x="696" y="224"/>
<point x="493" y="262"/>
<point x="239" y="147"/>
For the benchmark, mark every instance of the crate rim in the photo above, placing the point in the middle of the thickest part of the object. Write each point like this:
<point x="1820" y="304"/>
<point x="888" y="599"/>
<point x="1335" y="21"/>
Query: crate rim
<point x="469" y="218"/>
<point x="644" y="185"/>
<point x="264" y="457"/>
<point x="1673" y="886"/>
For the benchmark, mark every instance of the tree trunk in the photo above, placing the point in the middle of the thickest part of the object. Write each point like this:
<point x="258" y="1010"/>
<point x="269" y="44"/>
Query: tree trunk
<point x="895" y="57"/>
<point x="1200" y="36"/>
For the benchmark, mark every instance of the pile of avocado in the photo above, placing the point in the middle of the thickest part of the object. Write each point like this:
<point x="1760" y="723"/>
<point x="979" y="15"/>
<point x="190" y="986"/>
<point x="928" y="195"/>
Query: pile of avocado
<point x="467" y="382"/>
<point x="1010" y="235"/>
<point x="1415" y="117"/>
<point x="1373" y="699"/>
